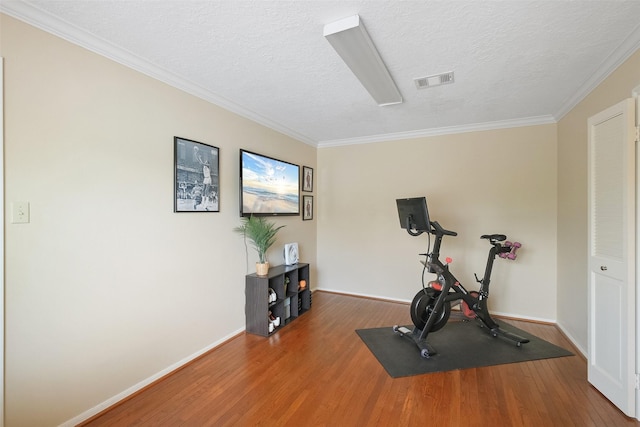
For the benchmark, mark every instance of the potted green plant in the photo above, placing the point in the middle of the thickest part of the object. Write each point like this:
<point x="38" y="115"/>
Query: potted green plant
<point x="262" y="234"/>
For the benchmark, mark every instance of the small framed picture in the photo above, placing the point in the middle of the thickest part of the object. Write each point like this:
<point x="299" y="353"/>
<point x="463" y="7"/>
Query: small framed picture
<point x="307" y="179"/>
<point x="307" y="208"/>
<point x="196" y="176"/>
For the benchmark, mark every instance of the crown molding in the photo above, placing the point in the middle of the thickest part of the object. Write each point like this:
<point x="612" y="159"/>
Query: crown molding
<point x="627" y="48"/>
<point x="43" y="20"/>
<point x="475" y="127"/>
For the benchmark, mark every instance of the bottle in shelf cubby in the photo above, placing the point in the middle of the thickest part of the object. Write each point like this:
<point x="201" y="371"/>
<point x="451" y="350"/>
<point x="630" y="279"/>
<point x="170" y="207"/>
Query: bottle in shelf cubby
<point x="290" y="302"/>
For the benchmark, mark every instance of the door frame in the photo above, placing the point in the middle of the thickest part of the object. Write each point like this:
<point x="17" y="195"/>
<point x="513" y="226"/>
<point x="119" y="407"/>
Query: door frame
<point x="2" y="367"/>
<point x="635" y="93"/>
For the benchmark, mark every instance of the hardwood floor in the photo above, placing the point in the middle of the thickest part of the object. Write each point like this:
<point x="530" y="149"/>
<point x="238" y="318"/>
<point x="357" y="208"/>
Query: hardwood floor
<point x="318" y="372"/>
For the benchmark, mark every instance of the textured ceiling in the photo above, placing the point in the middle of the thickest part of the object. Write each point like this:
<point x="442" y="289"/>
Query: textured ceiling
<point x="516" y="62"/>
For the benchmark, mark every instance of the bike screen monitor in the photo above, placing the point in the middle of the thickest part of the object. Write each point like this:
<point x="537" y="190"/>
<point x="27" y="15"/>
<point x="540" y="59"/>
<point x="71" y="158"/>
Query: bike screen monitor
<point x="413" y="214"/>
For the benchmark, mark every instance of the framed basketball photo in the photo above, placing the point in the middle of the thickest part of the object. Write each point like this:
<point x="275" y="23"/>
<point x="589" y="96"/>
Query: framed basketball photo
<point x="196" y="176"/>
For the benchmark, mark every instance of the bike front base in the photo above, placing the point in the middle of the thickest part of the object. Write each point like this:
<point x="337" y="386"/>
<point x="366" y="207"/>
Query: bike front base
<point x="417" y="336"/>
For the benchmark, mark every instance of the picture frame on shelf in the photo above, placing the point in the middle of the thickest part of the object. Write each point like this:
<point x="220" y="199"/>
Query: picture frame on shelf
<point x="307" y="208"/>
<point x="196" y="176"/>
<point x="307" y="179"/>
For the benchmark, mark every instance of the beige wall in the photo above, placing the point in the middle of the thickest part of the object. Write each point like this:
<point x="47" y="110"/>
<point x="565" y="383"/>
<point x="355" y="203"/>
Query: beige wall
<point x="106" y="287"/>
<point x="501" y="181"/>
<point x="572" y="196"/>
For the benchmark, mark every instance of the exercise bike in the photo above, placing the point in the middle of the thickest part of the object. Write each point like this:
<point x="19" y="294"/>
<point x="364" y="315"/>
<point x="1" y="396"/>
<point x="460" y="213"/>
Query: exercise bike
<point x="431" y="307"/>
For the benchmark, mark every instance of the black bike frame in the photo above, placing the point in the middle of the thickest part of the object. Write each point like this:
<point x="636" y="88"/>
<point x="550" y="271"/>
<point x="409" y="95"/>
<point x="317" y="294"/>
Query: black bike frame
<point x="452" y="289"/>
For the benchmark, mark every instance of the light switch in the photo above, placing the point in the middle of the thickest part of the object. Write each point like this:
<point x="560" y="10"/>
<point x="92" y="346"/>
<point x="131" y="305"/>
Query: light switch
<point x="19" y="212"/>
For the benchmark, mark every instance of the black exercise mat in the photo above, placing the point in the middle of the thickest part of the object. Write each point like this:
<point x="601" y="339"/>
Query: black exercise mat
<point x="459" y="345"/>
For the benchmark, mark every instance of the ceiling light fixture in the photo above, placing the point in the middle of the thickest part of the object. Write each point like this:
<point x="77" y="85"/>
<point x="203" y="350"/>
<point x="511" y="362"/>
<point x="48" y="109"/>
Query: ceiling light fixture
<point x="352" y="42"/>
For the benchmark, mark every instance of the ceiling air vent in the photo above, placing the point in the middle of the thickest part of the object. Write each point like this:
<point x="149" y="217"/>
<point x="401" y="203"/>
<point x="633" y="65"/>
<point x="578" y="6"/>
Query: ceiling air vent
<point x="436" y="80"/>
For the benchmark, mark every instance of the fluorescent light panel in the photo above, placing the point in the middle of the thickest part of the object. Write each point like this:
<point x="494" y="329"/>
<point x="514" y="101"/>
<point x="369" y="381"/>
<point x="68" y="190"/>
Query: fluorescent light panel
<point x="352" y="42"/>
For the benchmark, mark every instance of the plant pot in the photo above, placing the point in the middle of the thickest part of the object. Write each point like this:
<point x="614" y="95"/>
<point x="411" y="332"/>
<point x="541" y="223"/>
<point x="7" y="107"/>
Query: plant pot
<point x="262" y="268"/>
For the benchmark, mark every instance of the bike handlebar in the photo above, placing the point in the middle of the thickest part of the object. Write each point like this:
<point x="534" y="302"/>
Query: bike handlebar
<point x="441" y="231"/>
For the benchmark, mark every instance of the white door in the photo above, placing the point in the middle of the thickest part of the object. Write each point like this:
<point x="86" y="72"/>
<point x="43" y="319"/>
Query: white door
<point x="612" y="231"/>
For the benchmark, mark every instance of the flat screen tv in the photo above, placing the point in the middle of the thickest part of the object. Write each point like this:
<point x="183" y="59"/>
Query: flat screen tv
<point x="413" y="214"/>
<point x="268" y="186"/>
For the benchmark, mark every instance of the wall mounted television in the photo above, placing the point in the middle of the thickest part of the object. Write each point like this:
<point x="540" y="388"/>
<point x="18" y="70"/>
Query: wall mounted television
<point x="268" y="186"/>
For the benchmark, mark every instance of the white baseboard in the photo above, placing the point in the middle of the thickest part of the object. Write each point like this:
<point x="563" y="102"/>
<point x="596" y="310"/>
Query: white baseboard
<point x="353" y="294"/>
<point x="384" y="298"/>
<point x="144" y="383"/>
<point x="521" y="317"/>
<point x="573" y="340"/>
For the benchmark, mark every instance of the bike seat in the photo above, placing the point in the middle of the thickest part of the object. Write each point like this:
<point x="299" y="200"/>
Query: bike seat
<point x="494" y="237"/>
